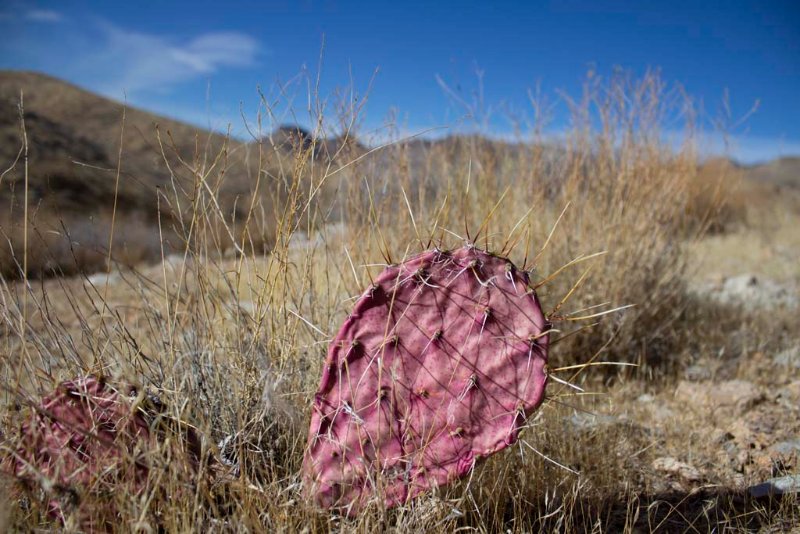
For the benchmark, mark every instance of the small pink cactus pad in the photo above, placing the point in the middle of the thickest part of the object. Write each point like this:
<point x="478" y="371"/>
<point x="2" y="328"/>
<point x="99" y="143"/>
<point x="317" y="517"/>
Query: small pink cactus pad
<point x="438" y="366"/>
<point x="90" y="437"/>
<point x="77" y="438"/>
<point x="80" y="430"/>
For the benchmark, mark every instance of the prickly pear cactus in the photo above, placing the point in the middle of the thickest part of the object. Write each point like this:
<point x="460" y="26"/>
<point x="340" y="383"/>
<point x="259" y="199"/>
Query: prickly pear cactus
<point x="88" y="436"/>
<point x="78" y="430"/>
<point x="438" y="366"/>
<point x="76" y="439"/>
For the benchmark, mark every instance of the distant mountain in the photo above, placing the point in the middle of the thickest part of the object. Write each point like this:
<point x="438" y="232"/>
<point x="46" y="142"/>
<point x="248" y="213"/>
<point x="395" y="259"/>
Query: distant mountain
<point x="782" y="172"/>
<point x="74" y="149"/>
<point x="74" y="142"/>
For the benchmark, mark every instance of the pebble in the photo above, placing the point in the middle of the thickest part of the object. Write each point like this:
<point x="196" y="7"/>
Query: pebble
<point x="776" y="486"/>
<point x="738" y="395"/>
<point x="674" y="467"/>
<point x="696" y="373"/>
<point x="788" y="358"/>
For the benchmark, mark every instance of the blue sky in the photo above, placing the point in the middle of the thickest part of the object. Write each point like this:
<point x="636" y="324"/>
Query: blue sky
<point x="200" y="61"/>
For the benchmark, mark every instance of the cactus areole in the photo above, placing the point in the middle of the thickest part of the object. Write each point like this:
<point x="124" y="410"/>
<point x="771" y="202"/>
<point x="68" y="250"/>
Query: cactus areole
<point x="440" y="363"/>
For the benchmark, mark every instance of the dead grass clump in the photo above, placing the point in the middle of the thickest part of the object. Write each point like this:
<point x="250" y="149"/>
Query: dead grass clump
<point x="77" y="243"/>
<point x="717" y="200"/>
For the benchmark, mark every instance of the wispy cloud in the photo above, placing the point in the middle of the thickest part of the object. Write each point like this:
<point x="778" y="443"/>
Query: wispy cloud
<point x="116" y="60"/>
<point x="44" y="15"/>
<point x="170" y="73"/>
<point x="136" y="62"/>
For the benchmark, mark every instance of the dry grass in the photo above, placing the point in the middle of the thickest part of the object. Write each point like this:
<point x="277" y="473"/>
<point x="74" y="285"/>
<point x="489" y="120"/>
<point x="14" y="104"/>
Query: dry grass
<point x="233" y="343"/>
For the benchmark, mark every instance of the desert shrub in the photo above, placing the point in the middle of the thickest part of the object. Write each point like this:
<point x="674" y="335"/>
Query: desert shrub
<point x="717" y="198"/>
<point x="77" y="243"/>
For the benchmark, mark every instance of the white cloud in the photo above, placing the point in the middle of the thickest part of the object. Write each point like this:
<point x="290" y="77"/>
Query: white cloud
<point x="169" y="72"/>
<point x="44" y="15"/>
<point x="137" y="62"/>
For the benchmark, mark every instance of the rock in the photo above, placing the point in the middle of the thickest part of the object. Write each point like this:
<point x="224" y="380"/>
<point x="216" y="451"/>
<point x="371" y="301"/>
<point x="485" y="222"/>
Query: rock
<point x="586" y="421"/>
<point x="785" y="450"/>
<point x="789" y="395"/>
<point x="302" y="241"/>
<point x="299" y="241"/>
<point x="175" y="260"/>
<point x="248" y="306"/>
<point x="696" y="373"/>
<point x="101" y="279"/>
<point x="673" y="467"/>
<point x="788" y="358"/>
<point x="657" y="411"/>
<point x="737" y="395"/>
<point x="729" y="453"/>
<point x="747" y="439"/>
<point x="762" y="442"/>
<point x="751" y="291"/>
<point x="776" y="486"/>
<point x="768" y="422"/>
<point x="660" y="411"/>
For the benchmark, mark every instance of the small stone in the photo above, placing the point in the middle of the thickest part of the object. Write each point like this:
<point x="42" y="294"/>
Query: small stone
<point x="788" y="358"/>
<point x="101" y="279"/>
<point x="247" y="306"/>
<point x="751" y="291"/>
<point x="738" y="395"/>
<point x="586" y="421"/>
<point x="696" y="373"/>
<point x="776" y="486"/>
<point x="790" y="394"/>
<point x="660" y="411"/>
<point x="785" y="450"/>
<point x="673" y="467"/>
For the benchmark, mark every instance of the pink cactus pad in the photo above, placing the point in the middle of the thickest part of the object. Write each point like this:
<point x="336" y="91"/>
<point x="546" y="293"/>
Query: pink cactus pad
<point x="77" y="438"/>
<point x="438" y="366"/>
<point x="88" y="436"/>
<point x="78" y="431"/>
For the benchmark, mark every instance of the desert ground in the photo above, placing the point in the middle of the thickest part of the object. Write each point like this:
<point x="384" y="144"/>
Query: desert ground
<point x="220" y="300"/>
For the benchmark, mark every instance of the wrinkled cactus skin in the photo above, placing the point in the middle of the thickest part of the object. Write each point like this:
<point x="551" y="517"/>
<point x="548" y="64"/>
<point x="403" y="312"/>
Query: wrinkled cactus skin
<point x="90" y="437"/>
<point x="78" y="431"/>
<point x="439" y="365"/>
<point x="84" y="436"/>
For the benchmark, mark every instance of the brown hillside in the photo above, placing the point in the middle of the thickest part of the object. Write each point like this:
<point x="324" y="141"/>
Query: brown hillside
<point x="74" y="147"/>
<point x="74" y="140"/>
<point x="782" y="172"/>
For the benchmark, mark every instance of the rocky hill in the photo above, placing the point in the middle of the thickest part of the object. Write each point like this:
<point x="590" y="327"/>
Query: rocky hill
<point x="74" y="140"/>
<point x="74" y="151"/>
<point x="781" y="172"/>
